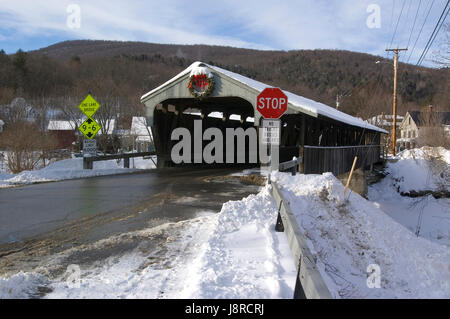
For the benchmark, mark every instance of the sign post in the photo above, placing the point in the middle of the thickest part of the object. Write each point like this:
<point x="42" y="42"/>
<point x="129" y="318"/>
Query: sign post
<point x="272" y="104"/>
<point x="89" y="127"/>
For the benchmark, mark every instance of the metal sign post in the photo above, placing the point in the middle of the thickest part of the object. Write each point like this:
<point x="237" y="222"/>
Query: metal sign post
<point x="271" y="131"/>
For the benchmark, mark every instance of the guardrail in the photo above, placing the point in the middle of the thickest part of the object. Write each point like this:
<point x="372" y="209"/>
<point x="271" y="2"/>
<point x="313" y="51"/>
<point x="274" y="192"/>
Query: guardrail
<point x="88" y="162"/>
<point x="290" y="165"/>
<point x="309" y="282"/>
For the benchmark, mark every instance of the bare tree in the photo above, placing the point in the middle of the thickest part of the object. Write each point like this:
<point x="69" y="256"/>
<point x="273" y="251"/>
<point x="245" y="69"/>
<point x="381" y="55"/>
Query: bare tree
<point x="432" y="130"/>
<point x="442" y="56"/>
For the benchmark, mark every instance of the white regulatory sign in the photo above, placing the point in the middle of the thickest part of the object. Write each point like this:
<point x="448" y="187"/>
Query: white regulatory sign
<point x="90" y="147"/>
<point x="270" y="131"/>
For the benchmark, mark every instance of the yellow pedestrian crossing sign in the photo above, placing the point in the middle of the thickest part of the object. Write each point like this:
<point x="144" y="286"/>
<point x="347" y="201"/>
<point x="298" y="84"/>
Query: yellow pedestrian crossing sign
<point x="89" y="128"/>
<point x="89" y="106"/>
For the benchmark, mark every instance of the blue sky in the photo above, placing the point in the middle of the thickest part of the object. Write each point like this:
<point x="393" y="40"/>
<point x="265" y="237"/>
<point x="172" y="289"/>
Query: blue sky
<point x="277" y="25"/>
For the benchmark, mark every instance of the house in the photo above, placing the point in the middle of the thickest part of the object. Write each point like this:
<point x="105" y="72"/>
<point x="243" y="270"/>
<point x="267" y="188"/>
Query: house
<point x="386" y="121"/>
<point x="419" y="126"/>
<point x="141" y="133"/>
<point x="64" y="131"/>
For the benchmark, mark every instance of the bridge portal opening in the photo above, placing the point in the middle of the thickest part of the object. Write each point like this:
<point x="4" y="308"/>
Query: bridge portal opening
<point x="212" y="112"/>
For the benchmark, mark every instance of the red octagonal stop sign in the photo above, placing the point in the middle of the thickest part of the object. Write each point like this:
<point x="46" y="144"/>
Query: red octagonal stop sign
<point x="271" y="103"/>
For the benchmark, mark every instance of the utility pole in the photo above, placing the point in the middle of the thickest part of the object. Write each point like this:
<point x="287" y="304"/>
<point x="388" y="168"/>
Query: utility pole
<point x="394" y="107"/>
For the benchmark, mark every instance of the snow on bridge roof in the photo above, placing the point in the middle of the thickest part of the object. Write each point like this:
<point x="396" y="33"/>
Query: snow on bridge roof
<point x="297" y="103"/>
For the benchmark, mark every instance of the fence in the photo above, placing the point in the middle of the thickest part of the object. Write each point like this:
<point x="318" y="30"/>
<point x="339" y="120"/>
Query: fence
<point x="88" y="162"/>
<point x="338" y="159"/>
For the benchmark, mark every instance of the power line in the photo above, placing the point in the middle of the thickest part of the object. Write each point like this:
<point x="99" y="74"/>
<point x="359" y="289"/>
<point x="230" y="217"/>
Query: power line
<point x="414" y="23"/>
<point x="420" y="32"/>
<point x="398" y="21"/>
<point x="436" y="30"/>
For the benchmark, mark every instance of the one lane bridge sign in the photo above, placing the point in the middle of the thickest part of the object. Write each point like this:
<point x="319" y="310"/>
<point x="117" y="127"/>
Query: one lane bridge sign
<point x="89" y="128"/>
<point x="89" y="106"/>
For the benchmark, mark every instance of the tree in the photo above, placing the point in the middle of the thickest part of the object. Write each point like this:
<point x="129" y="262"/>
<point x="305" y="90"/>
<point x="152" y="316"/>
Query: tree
<point x="442" y="56"/>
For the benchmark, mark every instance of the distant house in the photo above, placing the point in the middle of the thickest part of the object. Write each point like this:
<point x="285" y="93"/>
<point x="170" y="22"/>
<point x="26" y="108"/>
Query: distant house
<point x="417" y="124"/>
<point x="64" y="131"/>
<point x="386" y="122"/>
<point x="1" y="125"/>
<point x="141" y="133"/>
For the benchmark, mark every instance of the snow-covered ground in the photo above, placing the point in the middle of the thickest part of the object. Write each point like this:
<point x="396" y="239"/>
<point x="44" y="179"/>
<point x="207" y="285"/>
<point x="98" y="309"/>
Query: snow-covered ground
<point x="349" y="234"/>
<point x="233" y="254"/>
<point x="420" y="169"/>
<point x="424" y="169"/>
<point x="72" y="168"/>
<point x="237" y="254"/>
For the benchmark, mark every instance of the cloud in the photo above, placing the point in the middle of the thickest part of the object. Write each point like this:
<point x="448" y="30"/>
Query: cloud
<point x="262" y="24"/>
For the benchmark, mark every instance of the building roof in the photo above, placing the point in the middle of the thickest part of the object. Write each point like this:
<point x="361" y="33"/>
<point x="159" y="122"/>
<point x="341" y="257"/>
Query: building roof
<point x="442" y="118"/>
<point x="61" y="125"/>
<point x="384" y="119"/>
<point x="296" y="103"/>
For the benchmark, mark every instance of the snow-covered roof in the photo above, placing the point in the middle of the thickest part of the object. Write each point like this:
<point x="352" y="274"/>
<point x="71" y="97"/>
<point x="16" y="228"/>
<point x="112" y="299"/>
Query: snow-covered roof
<point x="295" y="102"/>
<point x="61" y="125"/>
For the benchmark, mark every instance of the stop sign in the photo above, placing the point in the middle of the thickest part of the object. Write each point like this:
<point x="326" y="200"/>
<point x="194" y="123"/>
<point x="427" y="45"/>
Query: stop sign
<point x="271" y="103"/>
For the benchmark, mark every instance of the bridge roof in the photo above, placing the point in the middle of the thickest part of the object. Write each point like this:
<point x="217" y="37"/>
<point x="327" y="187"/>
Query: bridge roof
<point x="296" y="103"/>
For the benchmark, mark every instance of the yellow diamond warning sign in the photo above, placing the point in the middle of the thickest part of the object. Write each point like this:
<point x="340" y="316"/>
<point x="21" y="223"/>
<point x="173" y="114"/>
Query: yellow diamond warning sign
<point x="89" y="128"/>
<point x="89" y="106"/>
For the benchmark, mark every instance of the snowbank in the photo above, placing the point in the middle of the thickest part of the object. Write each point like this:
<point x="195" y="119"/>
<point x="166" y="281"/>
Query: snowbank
<point x="349" y="235"/>
<point x="72" y="168"/>
<point x="421" y="169"/>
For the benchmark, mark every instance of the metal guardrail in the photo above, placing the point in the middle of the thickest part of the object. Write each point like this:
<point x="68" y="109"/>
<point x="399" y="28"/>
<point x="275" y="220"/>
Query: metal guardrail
<point x="309" y="283"/>
<point x="88" y="162"/>
<point x="290" y="165"/>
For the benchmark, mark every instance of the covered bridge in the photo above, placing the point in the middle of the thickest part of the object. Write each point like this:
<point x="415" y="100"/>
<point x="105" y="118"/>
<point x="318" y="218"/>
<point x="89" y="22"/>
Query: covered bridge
<point x="324" y="137"/>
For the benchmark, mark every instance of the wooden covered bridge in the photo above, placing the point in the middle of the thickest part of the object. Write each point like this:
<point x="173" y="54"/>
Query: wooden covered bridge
<point x="324" y="137"/>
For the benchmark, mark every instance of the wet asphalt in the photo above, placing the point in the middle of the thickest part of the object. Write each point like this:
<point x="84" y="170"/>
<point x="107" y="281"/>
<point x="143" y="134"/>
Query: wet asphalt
<point x="114" y="204"/>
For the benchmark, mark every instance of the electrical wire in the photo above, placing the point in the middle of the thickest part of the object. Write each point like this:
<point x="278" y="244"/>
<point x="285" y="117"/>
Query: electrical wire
<point x="436" y="30"/>
<point x="420" y="32"/>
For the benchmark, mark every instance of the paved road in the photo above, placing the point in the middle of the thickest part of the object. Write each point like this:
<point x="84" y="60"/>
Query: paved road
<point x="113" y="203"/>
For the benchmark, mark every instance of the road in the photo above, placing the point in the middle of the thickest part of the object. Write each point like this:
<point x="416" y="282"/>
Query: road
<point x="100" y="206"/>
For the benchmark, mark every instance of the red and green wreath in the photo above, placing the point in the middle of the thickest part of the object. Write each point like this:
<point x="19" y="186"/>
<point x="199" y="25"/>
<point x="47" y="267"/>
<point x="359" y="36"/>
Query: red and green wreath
<point x="201" y="85"/>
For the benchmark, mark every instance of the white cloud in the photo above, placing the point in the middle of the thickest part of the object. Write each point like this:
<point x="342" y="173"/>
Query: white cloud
<point x="260" y="24"/>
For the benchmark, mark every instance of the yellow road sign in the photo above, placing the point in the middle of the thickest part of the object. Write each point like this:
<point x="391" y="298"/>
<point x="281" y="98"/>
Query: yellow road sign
<point x="89" y="128"/>
<point x="89" y="106"/>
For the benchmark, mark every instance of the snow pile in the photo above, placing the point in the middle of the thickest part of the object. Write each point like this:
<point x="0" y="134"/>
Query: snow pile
<point x="23" y="285"/>
<point x="72" y="168"/>
<point x="349" y="235"/>
<point x="244" y="257"/>
<point x="421" y="169"/>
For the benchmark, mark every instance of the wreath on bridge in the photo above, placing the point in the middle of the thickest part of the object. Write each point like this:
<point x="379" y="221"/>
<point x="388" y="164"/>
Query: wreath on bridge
<point x="201" y="83"/>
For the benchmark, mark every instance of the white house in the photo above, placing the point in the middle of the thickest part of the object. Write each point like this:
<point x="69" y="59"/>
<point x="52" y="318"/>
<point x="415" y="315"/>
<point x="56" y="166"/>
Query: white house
<point x="142" y="134"/>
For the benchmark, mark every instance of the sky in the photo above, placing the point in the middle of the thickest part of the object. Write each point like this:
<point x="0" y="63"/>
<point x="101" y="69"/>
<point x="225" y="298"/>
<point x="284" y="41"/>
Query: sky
<point x="357" y="25"/>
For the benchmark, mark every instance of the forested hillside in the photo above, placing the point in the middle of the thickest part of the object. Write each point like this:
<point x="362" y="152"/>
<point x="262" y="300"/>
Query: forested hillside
<point x="120" y="72"/>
